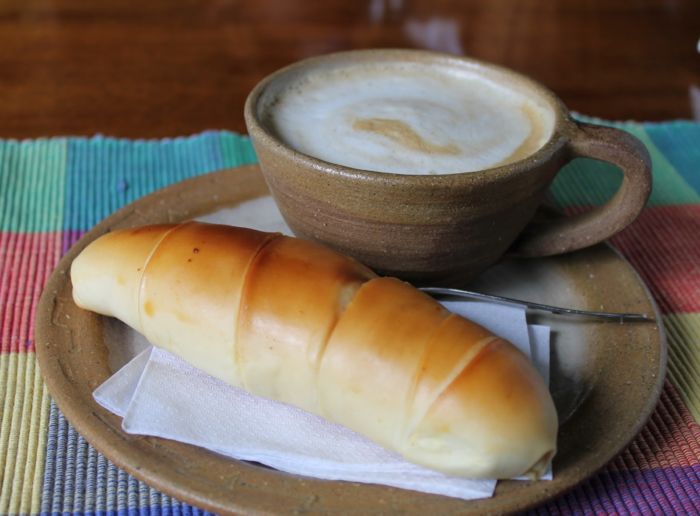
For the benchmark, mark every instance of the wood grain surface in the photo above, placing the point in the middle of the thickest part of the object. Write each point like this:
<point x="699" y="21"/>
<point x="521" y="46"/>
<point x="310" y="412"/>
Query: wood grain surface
<point x="162" y="68"/>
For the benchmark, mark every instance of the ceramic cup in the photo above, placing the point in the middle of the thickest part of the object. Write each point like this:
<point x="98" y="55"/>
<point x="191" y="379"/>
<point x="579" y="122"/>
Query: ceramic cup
<point x="443" y="229"/>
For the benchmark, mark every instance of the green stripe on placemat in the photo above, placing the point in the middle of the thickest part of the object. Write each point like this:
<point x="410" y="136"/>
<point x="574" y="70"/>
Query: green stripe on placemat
<point x="683" y="332"/>
<point x="586" y="182"/>
<point x="672" y="136"/>
<point x="236" y="150"/>
<point x="32" y="176"/>
<point x="24" y="403"/>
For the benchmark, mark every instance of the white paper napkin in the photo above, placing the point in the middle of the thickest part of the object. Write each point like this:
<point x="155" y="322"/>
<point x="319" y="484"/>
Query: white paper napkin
<point x="158" y="394"/>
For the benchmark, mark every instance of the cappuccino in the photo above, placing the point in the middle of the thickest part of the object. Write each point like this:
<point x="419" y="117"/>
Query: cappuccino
<point x="408" y="118"/>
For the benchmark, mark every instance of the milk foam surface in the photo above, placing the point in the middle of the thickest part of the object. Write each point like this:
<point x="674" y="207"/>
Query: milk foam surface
<point x="408" y="119"/>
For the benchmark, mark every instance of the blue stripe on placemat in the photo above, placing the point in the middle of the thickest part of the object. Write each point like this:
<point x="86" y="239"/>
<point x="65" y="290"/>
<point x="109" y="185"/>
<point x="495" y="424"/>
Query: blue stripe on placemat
<point x="104" y="174"/>
<point x="184" y="510"/>
<point x="630" y="492"/>
<point x="680" y="144"/>
<point x="79" y="480"/>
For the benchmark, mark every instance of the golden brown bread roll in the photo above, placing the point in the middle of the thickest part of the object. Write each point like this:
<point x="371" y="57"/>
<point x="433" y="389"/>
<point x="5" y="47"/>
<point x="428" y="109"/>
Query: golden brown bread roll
<point x="293" y="321"/>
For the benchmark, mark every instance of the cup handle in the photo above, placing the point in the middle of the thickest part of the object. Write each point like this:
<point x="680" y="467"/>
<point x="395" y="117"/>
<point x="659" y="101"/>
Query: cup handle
<point x="565" y="234"/>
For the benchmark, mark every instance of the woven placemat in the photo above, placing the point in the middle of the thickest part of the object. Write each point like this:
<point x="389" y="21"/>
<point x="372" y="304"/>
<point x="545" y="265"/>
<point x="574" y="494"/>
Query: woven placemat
<point x="53" y="190"/>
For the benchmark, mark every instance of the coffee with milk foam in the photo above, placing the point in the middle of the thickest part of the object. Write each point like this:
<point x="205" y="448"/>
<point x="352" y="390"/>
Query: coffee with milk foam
<point x="408" y="118"/>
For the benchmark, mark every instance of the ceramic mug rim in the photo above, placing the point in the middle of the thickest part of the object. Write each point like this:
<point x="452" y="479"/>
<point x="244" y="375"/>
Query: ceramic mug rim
<point x="562" y="130"/>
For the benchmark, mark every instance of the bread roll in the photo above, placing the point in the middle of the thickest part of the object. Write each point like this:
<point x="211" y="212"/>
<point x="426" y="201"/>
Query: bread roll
<point x="290" y="320"/>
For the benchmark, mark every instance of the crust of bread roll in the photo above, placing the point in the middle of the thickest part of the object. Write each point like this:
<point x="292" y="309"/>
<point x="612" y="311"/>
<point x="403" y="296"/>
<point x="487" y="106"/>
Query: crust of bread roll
<point x="292" y="306"/>
<point x="292" y="321"/>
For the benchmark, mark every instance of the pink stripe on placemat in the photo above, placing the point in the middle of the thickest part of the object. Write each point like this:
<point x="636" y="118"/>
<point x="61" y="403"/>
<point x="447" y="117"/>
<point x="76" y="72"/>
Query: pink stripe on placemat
<point x="663" y="245"/>
<point x="659" y="473"/>
<point x="26" y="261"/>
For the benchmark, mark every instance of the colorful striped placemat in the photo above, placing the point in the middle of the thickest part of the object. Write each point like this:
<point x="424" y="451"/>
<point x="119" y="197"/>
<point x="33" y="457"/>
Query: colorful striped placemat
<point x="53" y="190"/>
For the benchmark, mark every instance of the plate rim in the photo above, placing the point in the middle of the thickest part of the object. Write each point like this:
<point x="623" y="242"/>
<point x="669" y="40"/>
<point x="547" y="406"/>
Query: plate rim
<point x="76" y="414"/>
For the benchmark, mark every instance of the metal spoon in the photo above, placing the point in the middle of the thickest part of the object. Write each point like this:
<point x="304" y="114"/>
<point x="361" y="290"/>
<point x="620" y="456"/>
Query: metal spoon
<point x="532" y="305"/>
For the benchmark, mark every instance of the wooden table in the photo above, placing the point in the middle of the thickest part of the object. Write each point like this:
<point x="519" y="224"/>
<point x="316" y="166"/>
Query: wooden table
<point x="162" y="68"/>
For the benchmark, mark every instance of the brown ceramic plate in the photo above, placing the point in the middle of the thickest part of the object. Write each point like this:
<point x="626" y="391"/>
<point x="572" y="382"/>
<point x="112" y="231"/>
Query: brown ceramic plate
<point x="606" y="377"/>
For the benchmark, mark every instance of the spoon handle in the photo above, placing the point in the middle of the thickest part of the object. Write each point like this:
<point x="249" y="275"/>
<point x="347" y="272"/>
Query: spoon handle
<point x="534" y="306"/>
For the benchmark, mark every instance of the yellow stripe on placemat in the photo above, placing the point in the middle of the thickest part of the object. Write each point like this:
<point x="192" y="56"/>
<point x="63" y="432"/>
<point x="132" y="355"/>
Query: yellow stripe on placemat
<point x="683" y="332"/>
<point x="24" y="402"/>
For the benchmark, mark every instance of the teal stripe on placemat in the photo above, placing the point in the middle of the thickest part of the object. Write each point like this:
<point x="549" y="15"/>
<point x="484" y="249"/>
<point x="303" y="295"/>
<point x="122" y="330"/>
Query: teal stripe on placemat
<point x="32" y="177"/>
<point x="586" y="182"/>
<point x="236" y="150"/>
<point x="680" y="143"/>
<point x="105" y="174"/>
<point x="669" y="185"/>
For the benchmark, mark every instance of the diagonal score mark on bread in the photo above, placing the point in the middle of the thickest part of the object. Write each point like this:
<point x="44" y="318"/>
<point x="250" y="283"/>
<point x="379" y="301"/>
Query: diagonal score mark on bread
<point x="141" y="299"/>
<point x="384" y="331"/>
<point x="288" y="315"/>
<point x="434" y="376"/>
<point x="192" y="293"/>
<point x="237" y="350"/>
